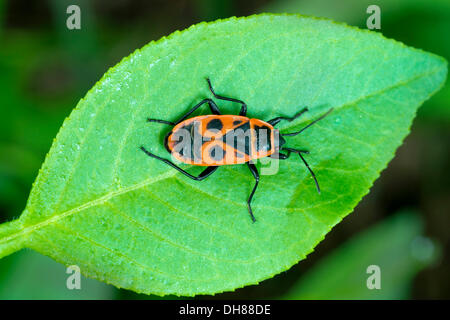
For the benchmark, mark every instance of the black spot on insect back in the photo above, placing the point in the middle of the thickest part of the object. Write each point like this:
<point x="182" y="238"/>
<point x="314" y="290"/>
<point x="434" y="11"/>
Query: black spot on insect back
<point x="217" y="153"/>
<point x="214" y="124"/>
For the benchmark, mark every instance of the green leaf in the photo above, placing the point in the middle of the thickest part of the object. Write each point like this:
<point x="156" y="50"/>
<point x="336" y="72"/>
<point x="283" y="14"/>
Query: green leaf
<point x="126" y="219"/>
<point x="395" y="245"/>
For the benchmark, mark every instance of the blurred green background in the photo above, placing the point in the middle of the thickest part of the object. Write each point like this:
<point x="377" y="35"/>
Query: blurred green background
<point x="401" y="226"/>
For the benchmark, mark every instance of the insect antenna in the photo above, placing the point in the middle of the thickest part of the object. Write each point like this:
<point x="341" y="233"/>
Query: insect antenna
<point x="299" y="152"/>
<point x="309" y="125"/>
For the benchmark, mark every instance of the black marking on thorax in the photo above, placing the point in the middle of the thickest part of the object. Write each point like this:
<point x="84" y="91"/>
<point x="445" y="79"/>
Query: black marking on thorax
<point x="263" y="138"/>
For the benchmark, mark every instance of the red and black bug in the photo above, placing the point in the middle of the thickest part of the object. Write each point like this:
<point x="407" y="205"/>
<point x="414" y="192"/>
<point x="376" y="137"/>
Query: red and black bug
<point x="217" y="139"/>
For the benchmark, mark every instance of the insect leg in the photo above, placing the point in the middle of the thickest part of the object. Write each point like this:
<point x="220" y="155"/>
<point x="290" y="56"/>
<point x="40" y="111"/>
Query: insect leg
<point x="255" y="173"/>
<point x="279" y="155"/>
<point x="276" y="120"/>
<point x="283" y="156"/>
<point x="243" y="111"/>
<point x="203" y="175"/>
<point x="212" y="106"/>
<point x="299" y="152"/>
<point x="161" y="121"/>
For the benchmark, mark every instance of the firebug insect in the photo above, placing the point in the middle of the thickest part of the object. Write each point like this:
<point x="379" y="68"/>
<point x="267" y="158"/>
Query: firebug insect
<point x="217" y="139"/>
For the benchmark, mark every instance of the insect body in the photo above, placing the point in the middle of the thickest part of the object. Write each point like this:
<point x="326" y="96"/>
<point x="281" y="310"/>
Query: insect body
<point x="221" y="140"/>
<point x="216" y="140"/>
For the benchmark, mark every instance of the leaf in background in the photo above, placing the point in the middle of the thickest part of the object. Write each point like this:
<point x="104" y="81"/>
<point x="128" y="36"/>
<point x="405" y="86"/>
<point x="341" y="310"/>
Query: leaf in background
<point x="28" y="123"/>
<point x="2" y="15"/>
<point x="129" y="220"/>
<point x="396" y="245"/>
<point x="29" y="275"/>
